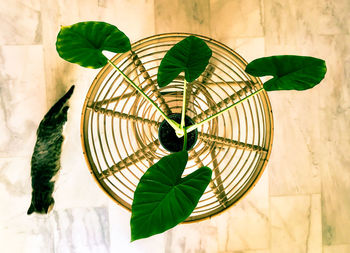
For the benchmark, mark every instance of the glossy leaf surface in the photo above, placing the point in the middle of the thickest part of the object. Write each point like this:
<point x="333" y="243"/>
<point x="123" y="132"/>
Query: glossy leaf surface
<point x="83" y="43"/>
<point x="190" y="55"/>
<point x="163" y="199"/>
<point x="290" y="72"/>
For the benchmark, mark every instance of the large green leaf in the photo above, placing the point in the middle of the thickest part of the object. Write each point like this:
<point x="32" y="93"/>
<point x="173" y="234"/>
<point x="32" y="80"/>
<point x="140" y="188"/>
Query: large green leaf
<point x="290" y="72"/>
<point x="83" y="42"/>
<point x="190" y="55"/>
<point x="163" y="199"/>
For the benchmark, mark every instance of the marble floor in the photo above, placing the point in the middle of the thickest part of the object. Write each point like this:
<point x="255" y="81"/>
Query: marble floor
<point x="301" y="203"/>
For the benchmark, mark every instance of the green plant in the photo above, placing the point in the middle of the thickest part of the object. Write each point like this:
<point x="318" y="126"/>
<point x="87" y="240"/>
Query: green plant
<point x="163" y="198"/>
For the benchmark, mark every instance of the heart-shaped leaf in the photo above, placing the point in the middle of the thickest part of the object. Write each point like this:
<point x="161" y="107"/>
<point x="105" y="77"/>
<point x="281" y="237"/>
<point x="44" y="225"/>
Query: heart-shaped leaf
<point x="190" y="55"/>
<point x="290" y="72"/>
<point x="163" y="199"/>
<point x="83" y="43"/>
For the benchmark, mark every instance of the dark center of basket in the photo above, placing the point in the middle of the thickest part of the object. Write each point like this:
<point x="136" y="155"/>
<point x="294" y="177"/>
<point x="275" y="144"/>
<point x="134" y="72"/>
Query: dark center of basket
<point x="168" y="138"/>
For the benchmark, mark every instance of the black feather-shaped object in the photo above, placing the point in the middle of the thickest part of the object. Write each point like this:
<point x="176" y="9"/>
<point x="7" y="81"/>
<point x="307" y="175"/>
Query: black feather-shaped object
<point x="45" y="161"/>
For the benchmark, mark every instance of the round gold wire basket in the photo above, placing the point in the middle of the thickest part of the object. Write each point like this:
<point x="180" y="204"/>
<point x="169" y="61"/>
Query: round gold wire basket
<point x="119" y="128"/>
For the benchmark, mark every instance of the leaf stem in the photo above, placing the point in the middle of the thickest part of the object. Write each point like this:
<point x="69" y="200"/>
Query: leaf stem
<point x="185" y="139"/>
<point x="172" y="123"/>
<point x="194" y="126"/>
<point x="183" y="113"/>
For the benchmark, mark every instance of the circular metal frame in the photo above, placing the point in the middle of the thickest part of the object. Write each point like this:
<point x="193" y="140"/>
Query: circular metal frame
<point x="119" y="128"/>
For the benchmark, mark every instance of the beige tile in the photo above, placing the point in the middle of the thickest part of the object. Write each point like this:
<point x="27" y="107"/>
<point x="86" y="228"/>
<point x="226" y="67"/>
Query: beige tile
<point x="235" y="19"/>
<point x="33" y="231"/>
<point x="296" y="224"/>
<point x="293" y="30"/>
<point x="72" y="230"/>
<point x="27" y="234"/>
<point x="81" y="230"/>
<point x="247" y="251"/>
<point x="198" y="237"/>
<point x="15" y="184"/>
<point x="182" y="16"/>
<point x="250" y="48"/>
<point x="326" y="17"/>
<point x="245" y="226"/>
<point x="326" y="135"/>
<point x="335" y="138"/>
<point x="297" y="115"/>
<point x="294" y="166"/>
<point x="345" y="248"/>
<point x="20" y="27"/>
<point x="332" y="17"/>
<point x="135" y="17"/>
<point x="23" y="97"/>
<point x="294" y="162"/>
<point x="120" y="234"/>
<point x="289" y="29"/>
<point x="74" y="176"/>
<point x="291" y="25"/>
<point x="315" y="238"/>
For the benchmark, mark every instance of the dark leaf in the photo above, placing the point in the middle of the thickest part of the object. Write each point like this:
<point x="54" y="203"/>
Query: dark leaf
<point x="190" y="55"/>
<point x="290" y="72"/>
<point x="163" y="199"/>
<point x="83" y="43"/>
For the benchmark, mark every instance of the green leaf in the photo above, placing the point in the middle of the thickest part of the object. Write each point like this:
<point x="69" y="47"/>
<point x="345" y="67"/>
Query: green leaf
<point x="83" y="42"/>
<point x="163" y="199"/>
<point x="190" y="55"/>
<point x="290" y="72"/>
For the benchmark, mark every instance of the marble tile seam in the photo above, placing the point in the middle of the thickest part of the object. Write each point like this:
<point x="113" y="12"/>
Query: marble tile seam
<point x="21" y="44"/>
<point x="269" y="213"/>
<point x="248" y="250"/>
<point x="2" y="157"/>
<point x="262" y="17"/>
<point x="234" y="36"/>
<point x="337" y="245"/>
<point x="294" y="195"/>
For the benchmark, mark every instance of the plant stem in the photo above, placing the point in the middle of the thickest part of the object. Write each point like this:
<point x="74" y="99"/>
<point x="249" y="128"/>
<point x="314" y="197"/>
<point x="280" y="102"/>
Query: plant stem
<point x="193" y="127"/>
<point x="185" y="139"/>
<point x="172" y="123"/>
<point x="183" y="113"/>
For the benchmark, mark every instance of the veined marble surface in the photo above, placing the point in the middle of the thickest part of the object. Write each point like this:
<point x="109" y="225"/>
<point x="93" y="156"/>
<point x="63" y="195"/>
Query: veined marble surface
<point x="301" y="204"/>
